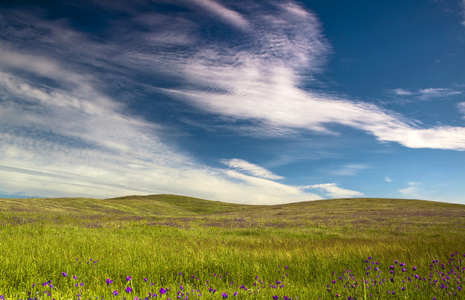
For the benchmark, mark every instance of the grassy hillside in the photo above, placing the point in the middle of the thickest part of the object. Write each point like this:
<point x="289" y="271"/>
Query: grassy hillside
<point x="137" y="206"/>
<point x="206" y="246"/>
<point x="356" y="212"/>
<point x="181" y="206"/>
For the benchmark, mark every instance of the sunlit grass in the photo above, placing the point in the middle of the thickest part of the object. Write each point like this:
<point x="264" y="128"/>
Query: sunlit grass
<point x="249" y="247"/>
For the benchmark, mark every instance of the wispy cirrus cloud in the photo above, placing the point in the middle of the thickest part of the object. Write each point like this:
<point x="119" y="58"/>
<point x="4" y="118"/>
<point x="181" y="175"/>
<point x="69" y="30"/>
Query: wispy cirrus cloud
<point x="255" y="77"/>
<point x="258" y="78"/>
<point x="461" y="108"/>
<point x="462" y="6"/>
<point x="230" y="16"/>
<point x="349" y="169"/>
<point x="402" y="92"/>
<point x="333" y="191"/>
<point x="62" y="134"/>
<point x="413" y="190"/>
<point x="270" y="191"/>
<point x="72" y="140"/>
<point x="260" y="82"/>
<point x="253" y="169"/>
<point x="280" y="103"/>
<point x="427" y="93"/>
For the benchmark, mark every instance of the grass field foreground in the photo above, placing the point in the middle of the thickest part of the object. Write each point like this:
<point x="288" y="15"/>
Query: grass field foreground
<point x="173" y="247"/>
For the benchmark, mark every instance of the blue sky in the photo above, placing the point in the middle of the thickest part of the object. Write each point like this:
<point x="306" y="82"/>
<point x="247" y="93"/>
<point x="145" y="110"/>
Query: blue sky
<point x="259" y="102"/>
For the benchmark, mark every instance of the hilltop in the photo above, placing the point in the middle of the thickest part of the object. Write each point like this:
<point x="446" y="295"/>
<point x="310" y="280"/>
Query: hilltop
<point x="181" y="206"/>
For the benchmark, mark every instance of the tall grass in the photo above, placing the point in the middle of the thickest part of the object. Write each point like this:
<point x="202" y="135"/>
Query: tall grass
<point x="235" y="252"/>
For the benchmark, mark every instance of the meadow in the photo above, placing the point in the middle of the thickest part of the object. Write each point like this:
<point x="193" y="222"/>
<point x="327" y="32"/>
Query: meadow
<point x="174" y="247"/>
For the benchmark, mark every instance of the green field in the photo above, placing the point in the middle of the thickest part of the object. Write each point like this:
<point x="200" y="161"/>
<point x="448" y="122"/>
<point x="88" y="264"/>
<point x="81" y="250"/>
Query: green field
<point x="76" y="248"/>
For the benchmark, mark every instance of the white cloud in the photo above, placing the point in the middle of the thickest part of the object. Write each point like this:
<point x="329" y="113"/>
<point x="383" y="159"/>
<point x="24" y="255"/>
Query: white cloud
<point x="333" y="191"/>
<point x="230" y="16"/>
<point x="251" y="168"/>
<point x="73" y="140"/>
<point x="259" y="81"/>
<point x="461" y="107"/>
<point x="462" y="4"/>
<point x="413" y="190"/>
<point x="280" y="103"/>
<point x="256" y="77"/>
<point x="262" y="84"/>
<point x="387" y="179"/>
<point x="350" y="169"/>
<point x="402" y="92"/>
<point x="47" y="169"/>
<point x="295" y="9"/>
<point x="437" y="92"/>
<point x="269" y="192"/>
<point x="440" y="137"/>
<point x="427" y="93"/>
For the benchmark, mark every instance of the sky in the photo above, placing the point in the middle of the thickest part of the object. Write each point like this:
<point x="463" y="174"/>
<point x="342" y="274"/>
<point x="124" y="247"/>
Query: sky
<point x="255" y="102"/>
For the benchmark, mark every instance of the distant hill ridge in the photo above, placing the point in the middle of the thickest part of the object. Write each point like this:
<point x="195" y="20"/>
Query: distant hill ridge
<point x="183" y="206"/>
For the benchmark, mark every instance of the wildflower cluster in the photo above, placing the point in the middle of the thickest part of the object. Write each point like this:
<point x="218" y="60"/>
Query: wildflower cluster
<point x="398" y="280"/>
<point x="188" y="287"/>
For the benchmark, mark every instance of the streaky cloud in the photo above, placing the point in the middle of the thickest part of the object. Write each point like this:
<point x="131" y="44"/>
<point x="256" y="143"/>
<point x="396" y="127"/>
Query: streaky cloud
<point x="62" y="135"/>
<point x="402" y="92"/>
<point x="272" y="190"/>
<point x="462" y="5"/>
<point x="230" y="16"/>
<point x="426" y="93"/>
<point x="333" y="191"/>
<point x="413" y="190"/>
<point x="253" y="169"/>
<point x="461" y="108"/>
<point x="261" y="83"/>
<point x="349" y="169"/>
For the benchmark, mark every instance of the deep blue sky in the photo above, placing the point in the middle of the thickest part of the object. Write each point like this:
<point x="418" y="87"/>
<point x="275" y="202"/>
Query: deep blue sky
<point x="254" y="102"/>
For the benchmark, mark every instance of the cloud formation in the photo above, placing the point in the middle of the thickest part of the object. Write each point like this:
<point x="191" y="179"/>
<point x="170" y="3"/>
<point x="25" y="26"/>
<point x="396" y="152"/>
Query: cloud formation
<point x="412" y="191"/>
<point x="462" y="5"/>
<point x="461" y="108"/>
<point x="333" y="191"/>
<point x="349" y="169"/>
<point x="62" y="134"/>
<point x="79" y="142"/>
<point x="251" y="169"/>
<point x="230" y="16"/>
<point x="260" y="81"/>
<point x="427" y="93"/>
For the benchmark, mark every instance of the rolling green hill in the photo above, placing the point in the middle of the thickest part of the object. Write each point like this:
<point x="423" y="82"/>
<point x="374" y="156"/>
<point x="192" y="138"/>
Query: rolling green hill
<point x="140" y="206"/>
<point x="334" y="211"/>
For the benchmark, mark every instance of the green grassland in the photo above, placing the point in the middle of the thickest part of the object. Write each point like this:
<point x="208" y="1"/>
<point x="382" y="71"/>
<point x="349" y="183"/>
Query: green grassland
<point x="292" y="250"/>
